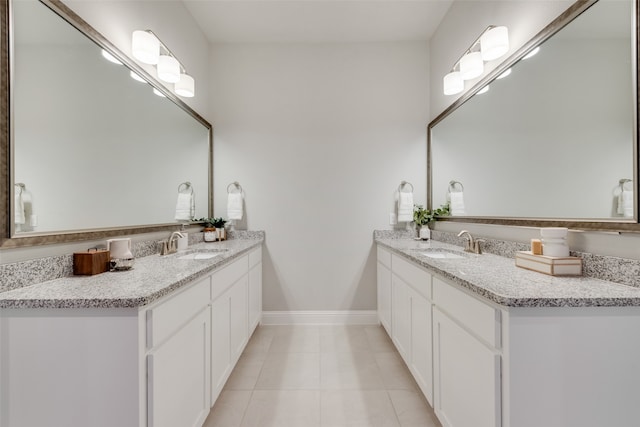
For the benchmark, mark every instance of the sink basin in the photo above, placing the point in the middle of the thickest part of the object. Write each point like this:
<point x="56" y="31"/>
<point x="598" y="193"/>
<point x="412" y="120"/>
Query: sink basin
<point x="200" y="254"/>
<point x="442" y="254"/>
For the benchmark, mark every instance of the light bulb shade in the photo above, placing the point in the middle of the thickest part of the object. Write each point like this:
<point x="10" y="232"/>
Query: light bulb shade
<point x="186" y="86"/>
<point x="483" y="90"/>
<point x="471" y="65"/>
<point x="453" y="83"/>
<point x="168" y="69"/>
<point x="157" y="92"/>
<point x="145" y="47"/>
<point x="494" y="43"/>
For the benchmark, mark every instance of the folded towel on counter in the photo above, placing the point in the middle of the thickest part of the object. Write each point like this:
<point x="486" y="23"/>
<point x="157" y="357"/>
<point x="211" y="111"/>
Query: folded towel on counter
<point x="405" y="207"/>
<point x="235" y="210"/>
<point x="18" y="210"/>
<point x="185" y="206"/>
<point x="456" y="199"/>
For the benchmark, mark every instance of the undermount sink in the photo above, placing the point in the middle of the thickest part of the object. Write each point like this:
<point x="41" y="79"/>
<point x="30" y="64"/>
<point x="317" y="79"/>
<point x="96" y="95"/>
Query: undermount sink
<point x="442" y="254"/>
<point x="200" y="254"/>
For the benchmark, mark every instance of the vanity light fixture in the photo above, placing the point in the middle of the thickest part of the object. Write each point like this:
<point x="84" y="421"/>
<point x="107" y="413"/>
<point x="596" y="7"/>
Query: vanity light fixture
<point x="146" y="47"/>
<point x="491" y="44"/>
<point x="483" y="90"/>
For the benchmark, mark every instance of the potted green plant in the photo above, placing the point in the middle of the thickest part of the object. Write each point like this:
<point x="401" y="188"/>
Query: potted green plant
<point x="220" y="230"/>
<point x="422" y="217"/>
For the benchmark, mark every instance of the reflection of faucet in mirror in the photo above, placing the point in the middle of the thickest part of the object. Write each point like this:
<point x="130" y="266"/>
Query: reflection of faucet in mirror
<point x="471" y="245"/>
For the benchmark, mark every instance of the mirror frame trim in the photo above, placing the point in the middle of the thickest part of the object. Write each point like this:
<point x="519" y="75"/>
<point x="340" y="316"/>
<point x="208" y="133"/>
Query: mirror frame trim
<point x="580" y="224"/>
<point x="7" y="239"/>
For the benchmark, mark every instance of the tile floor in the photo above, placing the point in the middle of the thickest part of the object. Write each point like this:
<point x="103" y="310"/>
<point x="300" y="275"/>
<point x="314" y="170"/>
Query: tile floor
<point x="321" y="376"/>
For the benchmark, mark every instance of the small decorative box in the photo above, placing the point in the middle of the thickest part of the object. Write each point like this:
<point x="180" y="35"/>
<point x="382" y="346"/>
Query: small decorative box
<point x="554" y="266"/>
<point x="94" y="261"/>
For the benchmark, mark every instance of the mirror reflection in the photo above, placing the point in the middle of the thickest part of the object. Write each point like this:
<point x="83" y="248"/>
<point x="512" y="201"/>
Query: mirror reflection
<point x="555" y="137"/>
<point x="94" y="148"/>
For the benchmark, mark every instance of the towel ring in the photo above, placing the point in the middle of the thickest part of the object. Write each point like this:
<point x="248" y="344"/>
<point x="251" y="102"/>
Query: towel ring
<point x="403" y="184"/>
<point x="452" y="185"/>
<point x="187" y="186"/>
<point x="21" y="186"/>
<point x="235" y="184"/>
<point x="623" y="182"/>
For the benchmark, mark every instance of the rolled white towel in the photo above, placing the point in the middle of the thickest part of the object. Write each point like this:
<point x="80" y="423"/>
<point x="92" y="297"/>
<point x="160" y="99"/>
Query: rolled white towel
<point x="185" y="207"/>
<point x="235" y="210"/>
<point x="18" y="210"/>
<point x="457" y="203"/>
<point x="405" y="207"/>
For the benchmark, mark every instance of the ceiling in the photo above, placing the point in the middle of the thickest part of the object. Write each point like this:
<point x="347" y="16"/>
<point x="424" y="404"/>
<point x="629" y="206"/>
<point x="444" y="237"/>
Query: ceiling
<point x="317" y="21"/>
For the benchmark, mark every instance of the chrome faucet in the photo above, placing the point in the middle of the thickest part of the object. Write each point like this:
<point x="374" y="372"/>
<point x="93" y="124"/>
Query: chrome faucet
<point x="471" y="245"/>
<point x="171" y="245"/>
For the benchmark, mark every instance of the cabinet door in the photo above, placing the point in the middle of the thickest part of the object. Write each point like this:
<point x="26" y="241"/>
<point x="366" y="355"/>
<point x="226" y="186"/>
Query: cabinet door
<point x="239" y="316"/>
<point x="220" y="344"/>
<point x="178" y="376"/>
<point x="384" y="296"/>
<point x="467" y="377"/>
<point x="401" y="322"/>
<point x="255" y="297"/>
<point x="421" y="343"/>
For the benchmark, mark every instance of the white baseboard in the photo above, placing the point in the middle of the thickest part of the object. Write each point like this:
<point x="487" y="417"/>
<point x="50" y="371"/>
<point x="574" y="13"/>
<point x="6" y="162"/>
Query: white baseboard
<point x="345" y="317"/>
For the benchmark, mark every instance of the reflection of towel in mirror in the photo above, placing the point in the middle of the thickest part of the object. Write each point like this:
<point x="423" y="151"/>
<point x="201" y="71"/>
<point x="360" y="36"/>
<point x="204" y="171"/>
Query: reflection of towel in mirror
<point x="234" y="206"/>
<point x="18" y="211"/>
<point x="457" y="203"/>
<point x="185" y="207"/>
<point x="405" y="207"/>
<point x="625" y="203"/>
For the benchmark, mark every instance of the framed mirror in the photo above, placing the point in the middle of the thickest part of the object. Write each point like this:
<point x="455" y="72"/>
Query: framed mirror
<point x="91" y="148"/>
<point x="554" y="139"/>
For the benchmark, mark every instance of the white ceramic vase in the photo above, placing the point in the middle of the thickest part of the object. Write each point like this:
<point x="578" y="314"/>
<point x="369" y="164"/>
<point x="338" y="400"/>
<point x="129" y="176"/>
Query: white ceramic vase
<point x="425" y="232"/>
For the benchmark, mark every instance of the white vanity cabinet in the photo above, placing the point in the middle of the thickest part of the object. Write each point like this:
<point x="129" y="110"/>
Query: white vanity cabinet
<point x="255" y="288"/>
<point x="467" y="374"/>
<point x="159" y="365"/>
<point x="482" y="364"/>
<point x="179" y="358"/>
<point x="411" y="327"/>
<point x="384" y="288"/>
<point x="229" y="317"/>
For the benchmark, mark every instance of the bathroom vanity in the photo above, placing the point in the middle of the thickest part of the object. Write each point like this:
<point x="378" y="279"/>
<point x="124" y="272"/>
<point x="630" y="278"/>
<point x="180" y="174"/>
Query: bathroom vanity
<point x="491" y="344"/>
<point x="152" y="346"/>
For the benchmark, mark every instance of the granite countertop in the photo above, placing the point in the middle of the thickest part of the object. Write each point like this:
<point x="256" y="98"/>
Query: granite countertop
<point x="497" y="279"/>
<point x="151" y="278"/>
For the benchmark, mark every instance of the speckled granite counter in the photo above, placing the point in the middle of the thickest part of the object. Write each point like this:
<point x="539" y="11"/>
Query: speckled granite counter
<point x="498" y="279"/>
<point x="152" y="277"/>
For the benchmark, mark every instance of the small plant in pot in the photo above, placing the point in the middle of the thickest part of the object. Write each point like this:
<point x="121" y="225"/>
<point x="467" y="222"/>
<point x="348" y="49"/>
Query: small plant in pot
<point x="220" y="230"/>
<point x="422" y="217"/>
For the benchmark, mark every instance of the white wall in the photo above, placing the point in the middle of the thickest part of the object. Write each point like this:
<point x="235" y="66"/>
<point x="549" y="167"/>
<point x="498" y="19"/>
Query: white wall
<point x="319" y="136"/>
<point x="460" y="27"/>
<point x="170" y="20"/>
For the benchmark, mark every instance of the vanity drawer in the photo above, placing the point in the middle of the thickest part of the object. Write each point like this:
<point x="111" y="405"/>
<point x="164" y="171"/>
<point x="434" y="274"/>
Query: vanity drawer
<point x="172" y="314"/>
<point x="255" y="257"/>
<point x="478" y="317"/>
<point x="415" y="276"/>
<point x="384" y="257"/>
<point x="222" y="279"/>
